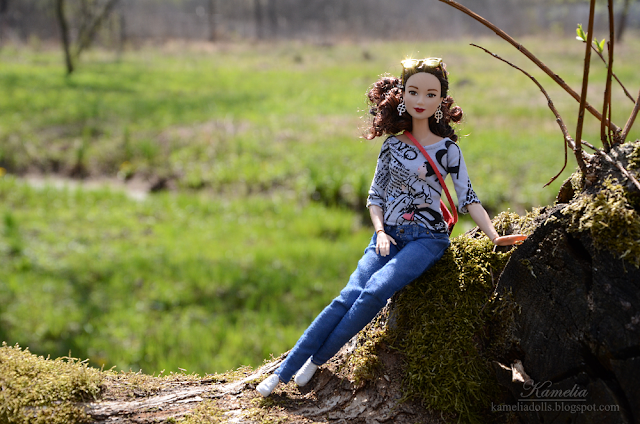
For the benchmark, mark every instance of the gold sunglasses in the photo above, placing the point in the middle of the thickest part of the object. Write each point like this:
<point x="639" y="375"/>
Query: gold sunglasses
<point x="430" y="62"/>
<point x="420" y="64"/>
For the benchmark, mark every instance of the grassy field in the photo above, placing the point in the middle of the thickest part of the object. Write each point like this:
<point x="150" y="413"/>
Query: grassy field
<point x="265" y="219"/>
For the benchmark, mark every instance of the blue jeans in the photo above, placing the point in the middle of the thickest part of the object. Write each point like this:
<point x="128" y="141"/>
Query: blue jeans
<point x="375" y="280"/>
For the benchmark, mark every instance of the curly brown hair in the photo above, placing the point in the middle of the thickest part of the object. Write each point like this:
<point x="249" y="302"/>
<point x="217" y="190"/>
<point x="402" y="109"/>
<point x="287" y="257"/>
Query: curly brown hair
<point x="387" y="93"/>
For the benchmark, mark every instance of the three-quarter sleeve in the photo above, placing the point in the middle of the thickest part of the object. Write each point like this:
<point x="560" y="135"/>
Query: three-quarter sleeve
<point x="377" y="191"/>
<point x="460" y="177"/>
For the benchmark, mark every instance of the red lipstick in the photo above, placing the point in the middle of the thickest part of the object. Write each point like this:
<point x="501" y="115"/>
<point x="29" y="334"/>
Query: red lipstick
<point x="418" y="109"/>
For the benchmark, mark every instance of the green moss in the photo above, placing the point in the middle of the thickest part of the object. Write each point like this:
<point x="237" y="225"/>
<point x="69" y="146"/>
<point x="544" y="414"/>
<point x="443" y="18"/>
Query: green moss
<point x="443" y="320"/>
<point x="205" y="413"/>
<point x="266" y="411"/>
<point x="609" y="218"/>
<point x="37" y="390"/>
<point x="634" y="157"/>
<point x="364" y="362"/>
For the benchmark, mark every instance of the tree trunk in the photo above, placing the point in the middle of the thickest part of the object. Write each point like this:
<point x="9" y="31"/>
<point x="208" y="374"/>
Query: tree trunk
<point x="272" y="14"/>
<point x="4" y="6"/>
<point x="90" y="27"/>
<point x="257" y="11"/>
<point x="622" y="20"/>
<point x="64" y="35"/>
<point x="577" y="330"/>
<point x="212" y="20"/>
<point x="122" y="32"/>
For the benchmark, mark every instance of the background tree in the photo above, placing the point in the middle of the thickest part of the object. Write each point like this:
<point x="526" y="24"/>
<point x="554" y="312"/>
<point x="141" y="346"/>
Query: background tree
<point x="86" y="17"/>
<point x="622" y="20"/>
<point x="4" y="6"/>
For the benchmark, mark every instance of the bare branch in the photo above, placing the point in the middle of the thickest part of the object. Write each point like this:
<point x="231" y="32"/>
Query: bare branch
<point x="631" y="120"/>
<point x="613" y="73"/>
<point x="605" y="133"/>
<point x="86" y="37"/>
<point x="585" y="85"/>
<point x="528" y="54"/>
<point x="568" y="141"/>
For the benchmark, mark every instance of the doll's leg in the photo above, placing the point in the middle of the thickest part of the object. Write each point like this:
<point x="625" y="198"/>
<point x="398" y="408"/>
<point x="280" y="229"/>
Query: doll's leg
<point x="325" y="323"/>
<point x="415" y="258"/>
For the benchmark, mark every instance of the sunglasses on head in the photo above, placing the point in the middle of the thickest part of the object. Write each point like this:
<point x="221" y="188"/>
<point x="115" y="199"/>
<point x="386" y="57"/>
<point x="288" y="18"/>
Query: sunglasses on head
<point x="421" y="64"/>
<point x="430" y="62"/>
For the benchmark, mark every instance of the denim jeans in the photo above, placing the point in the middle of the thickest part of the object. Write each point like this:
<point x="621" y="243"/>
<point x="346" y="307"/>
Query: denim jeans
<point x="375" y="280"/>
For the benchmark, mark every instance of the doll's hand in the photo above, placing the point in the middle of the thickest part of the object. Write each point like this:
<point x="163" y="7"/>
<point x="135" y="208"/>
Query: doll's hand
<point x="509" y="240"/>
<point x="383" y="243"/>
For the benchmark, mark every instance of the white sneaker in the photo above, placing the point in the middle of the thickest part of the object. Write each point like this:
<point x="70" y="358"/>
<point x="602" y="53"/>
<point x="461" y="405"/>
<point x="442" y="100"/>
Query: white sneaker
<point x="305" y="373"/>
<point x="266" y="387"/>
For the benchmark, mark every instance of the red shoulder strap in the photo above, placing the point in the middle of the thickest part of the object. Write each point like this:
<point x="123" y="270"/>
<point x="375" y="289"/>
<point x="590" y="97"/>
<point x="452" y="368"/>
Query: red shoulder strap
<point x="454" y="210"/>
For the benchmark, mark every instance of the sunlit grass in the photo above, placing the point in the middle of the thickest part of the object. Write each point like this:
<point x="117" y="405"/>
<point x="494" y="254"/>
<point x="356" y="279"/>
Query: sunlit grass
<point x="271" y="116"/>
<point x="176" y="280"/>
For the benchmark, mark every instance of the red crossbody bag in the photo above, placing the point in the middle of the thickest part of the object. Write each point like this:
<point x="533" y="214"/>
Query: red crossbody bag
<point x="449" y="218"/>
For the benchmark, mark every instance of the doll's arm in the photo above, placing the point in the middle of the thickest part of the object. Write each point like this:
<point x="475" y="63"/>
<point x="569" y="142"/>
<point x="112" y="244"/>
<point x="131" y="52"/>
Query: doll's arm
<point x="383" y="241"/>
<point x="481" y="217"/>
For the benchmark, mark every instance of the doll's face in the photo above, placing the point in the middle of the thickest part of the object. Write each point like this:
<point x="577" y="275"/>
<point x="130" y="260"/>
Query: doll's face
<point x="422" y="95"/>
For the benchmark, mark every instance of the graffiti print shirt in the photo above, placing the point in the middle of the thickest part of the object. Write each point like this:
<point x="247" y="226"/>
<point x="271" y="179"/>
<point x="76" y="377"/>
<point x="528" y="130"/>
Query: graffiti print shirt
<point x="407" y="189"/>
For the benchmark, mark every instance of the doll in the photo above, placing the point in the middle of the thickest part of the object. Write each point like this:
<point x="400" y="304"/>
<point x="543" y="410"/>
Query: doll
<point x="410" y="233"/>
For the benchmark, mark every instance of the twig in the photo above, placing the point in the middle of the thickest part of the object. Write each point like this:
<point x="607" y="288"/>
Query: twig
<point x="585" y="85"/>
<point x="605" y="133"/>
<point x="595" y="49"/>
<point x="528" y="54"/>
<point x="631" y="120"/>
<point x="568" y="141"/>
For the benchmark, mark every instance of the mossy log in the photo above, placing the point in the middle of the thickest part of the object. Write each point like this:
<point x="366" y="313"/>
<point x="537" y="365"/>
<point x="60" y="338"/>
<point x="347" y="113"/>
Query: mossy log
<point x="576" y="282"/>
<point x="578" y="328"/>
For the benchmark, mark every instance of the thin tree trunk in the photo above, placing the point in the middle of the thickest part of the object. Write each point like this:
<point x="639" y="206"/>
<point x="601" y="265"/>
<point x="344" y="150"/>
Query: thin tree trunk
<point x="4" y="7"/>
<point x="622" y="20"/>
<point x="257" y="10"/>
<point x="86" y="36"/>
<point x="272" y="14"/>
<point x="212" y="20"/>
<point x="122" y="32"/>
<point x="64" y="34"/>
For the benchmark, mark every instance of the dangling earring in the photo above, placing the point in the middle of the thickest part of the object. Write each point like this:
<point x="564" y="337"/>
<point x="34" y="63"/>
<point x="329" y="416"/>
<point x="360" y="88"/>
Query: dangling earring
<point x="438" y="115"/>
<point x="401" y="108"/>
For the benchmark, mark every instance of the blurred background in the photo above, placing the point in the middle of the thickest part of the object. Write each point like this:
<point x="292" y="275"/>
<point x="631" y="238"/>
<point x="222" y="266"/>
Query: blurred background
<point x="182" y="183"/>
<point x="136" y="21"/>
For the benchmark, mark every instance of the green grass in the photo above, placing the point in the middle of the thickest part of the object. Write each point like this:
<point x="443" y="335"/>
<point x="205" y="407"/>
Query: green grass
<point x="265" y="225"/>
<point x="197" y="282"/>
<point x="257" y="118"/>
